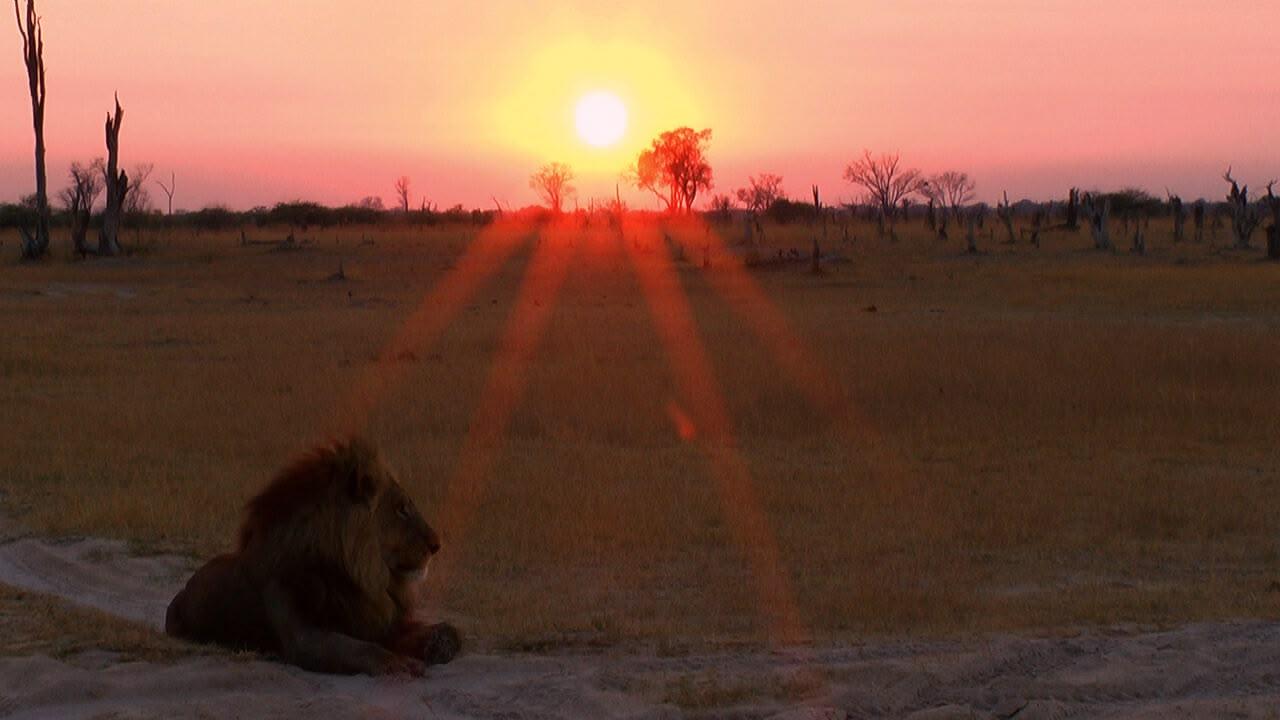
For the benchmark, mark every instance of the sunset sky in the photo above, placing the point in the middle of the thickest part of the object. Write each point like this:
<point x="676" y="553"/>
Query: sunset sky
<point x="253" y="102"/>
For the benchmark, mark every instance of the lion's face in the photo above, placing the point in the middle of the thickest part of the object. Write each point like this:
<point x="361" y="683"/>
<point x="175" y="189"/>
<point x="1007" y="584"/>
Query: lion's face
<point x="407" y="541"/>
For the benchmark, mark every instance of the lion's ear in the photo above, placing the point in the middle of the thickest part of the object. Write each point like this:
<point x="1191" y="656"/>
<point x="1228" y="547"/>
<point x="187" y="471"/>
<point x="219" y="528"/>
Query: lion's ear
<point x="357" y="465"/>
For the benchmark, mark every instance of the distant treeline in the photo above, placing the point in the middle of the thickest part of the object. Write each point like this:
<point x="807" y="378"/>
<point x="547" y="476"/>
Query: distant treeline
<point x="302" y="215"/>
<point x="1129" y="202"/>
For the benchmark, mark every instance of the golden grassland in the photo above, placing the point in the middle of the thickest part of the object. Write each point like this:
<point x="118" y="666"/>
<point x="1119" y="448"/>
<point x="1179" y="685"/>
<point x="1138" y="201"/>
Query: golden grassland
<point x="1023" y="439"/>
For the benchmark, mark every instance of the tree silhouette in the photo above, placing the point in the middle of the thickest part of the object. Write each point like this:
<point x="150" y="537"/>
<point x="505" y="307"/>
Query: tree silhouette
<point x="551" y="182"/>
<point x="117" y="182"/>
<point x="402" y="193"/>
<point x="1244" y="217"/>
<point x="722" y="208"/>
<point x="37" y="244"/>
<point x="884" y="180"/>
<point x="79" y="197"/>
<point x="761" y="192"/>
<point x="168" y="189"/>
<point x="951" y="190"/>
<point x="139" y="198"/>
<point x="675" y="168"/>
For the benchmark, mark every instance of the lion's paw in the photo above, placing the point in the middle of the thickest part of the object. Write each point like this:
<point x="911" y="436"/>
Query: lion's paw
<point x="444" y="642"/>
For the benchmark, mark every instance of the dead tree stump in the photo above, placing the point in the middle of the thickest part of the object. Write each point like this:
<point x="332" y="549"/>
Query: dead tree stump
<point x="1244" y="218"/>
<point x="117" y="183"/>
<point x="1098" y="212"/>
<point x="1005" y="212"/>
<point x="1175" y="205"/>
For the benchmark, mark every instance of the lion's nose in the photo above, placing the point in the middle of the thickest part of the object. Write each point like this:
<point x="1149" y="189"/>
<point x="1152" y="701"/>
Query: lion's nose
<point x="433" y="542"/>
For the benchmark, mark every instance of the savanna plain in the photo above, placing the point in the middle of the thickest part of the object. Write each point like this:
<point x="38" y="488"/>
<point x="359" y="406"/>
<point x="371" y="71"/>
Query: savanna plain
<point x="627" y="446"/>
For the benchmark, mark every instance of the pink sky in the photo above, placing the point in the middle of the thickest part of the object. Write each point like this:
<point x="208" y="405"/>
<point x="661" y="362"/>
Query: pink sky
<point x="253" y="102"/>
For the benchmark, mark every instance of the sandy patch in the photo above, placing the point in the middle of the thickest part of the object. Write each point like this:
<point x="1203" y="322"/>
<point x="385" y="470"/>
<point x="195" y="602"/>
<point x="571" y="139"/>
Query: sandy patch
<point x="1203" y="670"/>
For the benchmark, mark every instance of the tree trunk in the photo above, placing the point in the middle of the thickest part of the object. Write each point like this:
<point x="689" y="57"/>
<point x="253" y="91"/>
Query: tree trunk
<point x="1098" y="212"/>
<point x="117" y="183"/>
<point x="35" y="245"/>
<point x="1005" y="211"/>
<point x="1273" y="242"/>
<point x="1036" y="223"/>
<point x="80" y="227"/>
<point x="1178" y="217"/>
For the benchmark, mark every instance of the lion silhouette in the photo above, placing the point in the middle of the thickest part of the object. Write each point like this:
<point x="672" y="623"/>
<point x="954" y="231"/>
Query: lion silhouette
<point x="329" y="558"/>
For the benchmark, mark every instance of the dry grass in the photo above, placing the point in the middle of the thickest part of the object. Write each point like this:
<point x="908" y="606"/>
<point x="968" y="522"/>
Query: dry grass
<point x="35" y="624"/>
<point x="1036" y="438"/>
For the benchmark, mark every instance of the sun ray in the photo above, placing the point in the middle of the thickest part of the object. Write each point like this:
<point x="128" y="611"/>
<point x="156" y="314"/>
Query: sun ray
<point x="696" y="383"/>
<point x="504" y="387"/>
<point x="743" y="294"/>
<point x="441" y="304"/>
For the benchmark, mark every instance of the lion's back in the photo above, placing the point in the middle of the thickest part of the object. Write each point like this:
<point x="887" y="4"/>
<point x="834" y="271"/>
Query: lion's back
<point x="222" y="604"/>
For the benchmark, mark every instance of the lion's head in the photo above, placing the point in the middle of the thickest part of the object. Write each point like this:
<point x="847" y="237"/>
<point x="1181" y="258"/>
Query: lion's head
<point x="407" y="541"/>
<point x="342" y="506"/>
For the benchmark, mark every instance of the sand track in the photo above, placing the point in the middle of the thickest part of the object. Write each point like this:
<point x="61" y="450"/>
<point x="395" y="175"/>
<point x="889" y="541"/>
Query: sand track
<point x="1202" y="670"/>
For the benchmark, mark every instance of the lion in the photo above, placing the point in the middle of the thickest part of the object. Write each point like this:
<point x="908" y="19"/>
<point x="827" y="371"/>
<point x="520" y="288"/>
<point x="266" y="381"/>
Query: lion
<point x="325" y="574"/>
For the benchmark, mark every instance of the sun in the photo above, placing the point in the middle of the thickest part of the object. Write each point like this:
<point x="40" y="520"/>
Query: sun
<point x="601" y="119"/>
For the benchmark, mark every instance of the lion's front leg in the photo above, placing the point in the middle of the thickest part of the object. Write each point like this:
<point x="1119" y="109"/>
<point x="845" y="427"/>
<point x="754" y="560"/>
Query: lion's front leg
<point x="320" y="650"/>
<point x="434" y="644"/>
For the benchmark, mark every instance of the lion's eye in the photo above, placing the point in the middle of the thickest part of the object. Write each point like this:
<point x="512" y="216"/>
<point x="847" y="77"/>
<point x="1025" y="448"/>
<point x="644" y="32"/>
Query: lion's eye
<point x="403" y="511"/>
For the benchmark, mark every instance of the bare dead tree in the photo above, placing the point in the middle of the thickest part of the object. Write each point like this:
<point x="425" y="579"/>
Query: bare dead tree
<point x="1004" y="211"/>
<point x="1179" y="216"/>
<point x="952" y="190"/>
<point x="1197" y="219"/>
<point x="168" y="189"/>
<point x="138" y="199"/>
<point x="1273" y="230"/>
<point x="885" y="181"/>
<point x="35" y="245"/>
<point x="117" y="183"/>
<point x="1073" y="209"/>
<point x="1037" y="223"/>
<point x="1139" y="238"/>
<point x="1244" y="218"/>
<point x="79" y="198"/>
<point x="934" y="197"/>
<point x="973" y="219"/>
<point x="816" y="267"/>
<point x="761" y="192"/>
<point x="551" y="182"/>
<point x="820" y="211"/>
<point x="402" y="194"/>
<point x="1098" y="211"/>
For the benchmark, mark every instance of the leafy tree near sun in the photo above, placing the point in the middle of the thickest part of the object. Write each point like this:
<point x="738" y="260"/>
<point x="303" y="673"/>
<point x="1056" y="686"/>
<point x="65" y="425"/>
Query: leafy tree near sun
<point x="675" y="168"/>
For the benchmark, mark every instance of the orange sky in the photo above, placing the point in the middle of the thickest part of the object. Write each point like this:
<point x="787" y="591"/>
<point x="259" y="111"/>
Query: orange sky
<point x="252" y="102"/>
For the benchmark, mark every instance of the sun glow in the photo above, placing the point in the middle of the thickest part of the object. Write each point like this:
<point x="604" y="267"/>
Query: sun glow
<point x="539" y="110"/>
<point x="601" y="119"/>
